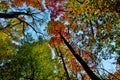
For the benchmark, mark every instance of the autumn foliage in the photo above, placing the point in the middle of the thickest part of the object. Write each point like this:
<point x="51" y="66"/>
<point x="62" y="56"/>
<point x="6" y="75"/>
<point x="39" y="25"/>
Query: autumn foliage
<point x="81" y="32"/>
<point x="115" y="76"/>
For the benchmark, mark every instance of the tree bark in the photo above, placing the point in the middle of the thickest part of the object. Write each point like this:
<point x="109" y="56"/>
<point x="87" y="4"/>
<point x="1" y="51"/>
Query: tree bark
<point x="67" y="74"/>
<point x="12" y="14"/>
<point x="80" y="60"/>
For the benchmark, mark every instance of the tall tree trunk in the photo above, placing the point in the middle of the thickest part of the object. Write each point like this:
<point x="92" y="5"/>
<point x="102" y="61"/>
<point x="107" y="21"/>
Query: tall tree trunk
<point x="64" y="65"/>
<point x="67" y="74"/>
<point x="81" y="61"/>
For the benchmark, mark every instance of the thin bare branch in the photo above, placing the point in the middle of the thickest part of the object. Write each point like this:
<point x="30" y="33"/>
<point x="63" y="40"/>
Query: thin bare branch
<point x="29" y="25"/>
<point x="9" y="26"/>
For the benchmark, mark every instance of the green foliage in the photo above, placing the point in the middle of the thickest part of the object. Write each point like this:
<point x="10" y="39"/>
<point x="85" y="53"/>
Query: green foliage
<point x="7" y="48"/>
<point x="32" y="61"/>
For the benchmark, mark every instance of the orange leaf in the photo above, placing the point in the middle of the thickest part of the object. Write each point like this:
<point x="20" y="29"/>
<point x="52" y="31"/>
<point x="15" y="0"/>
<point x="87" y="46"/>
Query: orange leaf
<point x="55" y="26"/>
<point x="55" y="42"/>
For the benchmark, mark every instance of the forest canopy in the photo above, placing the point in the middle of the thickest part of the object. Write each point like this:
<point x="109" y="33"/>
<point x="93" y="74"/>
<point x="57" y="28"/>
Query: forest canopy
<point x="59" y="39"/>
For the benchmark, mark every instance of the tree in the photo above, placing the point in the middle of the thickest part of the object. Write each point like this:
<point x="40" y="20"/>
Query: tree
<point x="83" y="26"/>
<point x="32" y="61"/>
<point x="85" y="23"/>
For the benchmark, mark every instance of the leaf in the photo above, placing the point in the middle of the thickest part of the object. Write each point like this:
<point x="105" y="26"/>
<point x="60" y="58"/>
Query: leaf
<point x="55" y="42"/>
<point x="30" y="59"/>
<point x="56" y="7"/>
<point x="4" y="6"/>
<point x="34" y="3"/>
<point x="6" y="46"/>
<point x="54" y="27"/>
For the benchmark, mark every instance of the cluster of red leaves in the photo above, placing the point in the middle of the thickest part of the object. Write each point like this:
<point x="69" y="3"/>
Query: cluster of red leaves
<point x="34" y="3"/>
<point x="55" y="42"/>
<point x="76" y="67"/>
<point x="56" y="7"/>
<point x="54" y="28"/>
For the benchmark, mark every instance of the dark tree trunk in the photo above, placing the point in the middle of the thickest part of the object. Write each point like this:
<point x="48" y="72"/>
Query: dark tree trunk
<point x="67" y="74"/>
<point x="81" y="61"/>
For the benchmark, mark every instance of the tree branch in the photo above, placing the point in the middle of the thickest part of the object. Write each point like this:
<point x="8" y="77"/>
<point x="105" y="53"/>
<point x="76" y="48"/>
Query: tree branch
<point x="30" y="26"/>
<point x="13" y="14"/>
<point x="9" y="26"/>
<point x="79" y="2"/>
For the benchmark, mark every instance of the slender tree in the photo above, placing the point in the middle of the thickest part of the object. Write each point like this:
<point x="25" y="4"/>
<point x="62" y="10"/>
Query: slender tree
<point x="85" y="66"/>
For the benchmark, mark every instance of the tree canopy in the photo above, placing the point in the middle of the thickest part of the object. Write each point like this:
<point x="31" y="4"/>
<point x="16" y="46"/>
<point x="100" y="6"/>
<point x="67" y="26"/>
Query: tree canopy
<point x="80" y="33"/>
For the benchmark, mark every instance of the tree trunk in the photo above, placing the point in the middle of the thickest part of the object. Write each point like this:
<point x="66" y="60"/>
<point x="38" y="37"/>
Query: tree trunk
<point x="81" y="61"/>
<point x="67" y="74"/>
